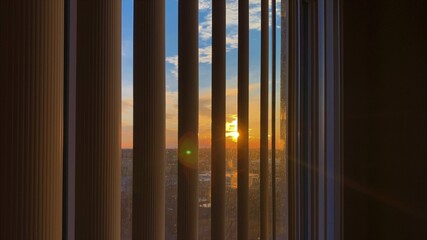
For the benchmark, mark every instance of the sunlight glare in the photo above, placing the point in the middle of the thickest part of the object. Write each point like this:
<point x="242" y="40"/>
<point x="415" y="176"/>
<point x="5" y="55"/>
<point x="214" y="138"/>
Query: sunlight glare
<point x="231" y="129"/>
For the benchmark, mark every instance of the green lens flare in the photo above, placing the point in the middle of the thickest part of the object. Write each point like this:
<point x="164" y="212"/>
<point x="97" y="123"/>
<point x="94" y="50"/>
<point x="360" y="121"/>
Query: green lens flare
<point x="188" y="150"/>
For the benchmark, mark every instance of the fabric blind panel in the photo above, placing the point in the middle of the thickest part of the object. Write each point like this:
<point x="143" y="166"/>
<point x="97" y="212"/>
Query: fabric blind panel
<point x="149" y="120"/>
<point x="98" y="119"/>
<point x="292" y="121"/>
<point x="242" y="122"/>
<point x="218" y="118"/>
<point x="188" y="119"/>
<point x="264" y="178"/>
<point x="31" y="122"/>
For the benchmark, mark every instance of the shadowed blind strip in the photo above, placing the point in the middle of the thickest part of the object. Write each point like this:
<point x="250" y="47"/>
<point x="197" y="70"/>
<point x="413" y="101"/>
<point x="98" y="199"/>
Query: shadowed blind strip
<point x="98" y="119"/>
<point x="31" y="122"/>
<point x="243" y="118"/>
<point x="149" y="120"/>
<point x="218" y="118"/>
<point x="264" y="179"/>
<point x="188" y="119"/>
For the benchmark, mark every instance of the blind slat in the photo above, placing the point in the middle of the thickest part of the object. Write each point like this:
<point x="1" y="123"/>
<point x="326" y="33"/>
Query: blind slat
<point x="218" y="118"/>
<point x="273" y="116"/>
<point x="264" y="221"/>
<point x="243" y="117"/>
<point x="188" y="113"/>
<point x="149" y="120"/>
<point x="98" y="118"/>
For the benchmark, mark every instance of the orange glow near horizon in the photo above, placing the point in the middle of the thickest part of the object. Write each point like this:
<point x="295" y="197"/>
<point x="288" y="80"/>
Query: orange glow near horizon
<point x="171" y="136"/>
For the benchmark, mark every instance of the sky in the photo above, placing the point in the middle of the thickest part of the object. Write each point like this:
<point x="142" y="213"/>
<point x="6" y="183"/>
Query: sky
<point x="205" y="46"/>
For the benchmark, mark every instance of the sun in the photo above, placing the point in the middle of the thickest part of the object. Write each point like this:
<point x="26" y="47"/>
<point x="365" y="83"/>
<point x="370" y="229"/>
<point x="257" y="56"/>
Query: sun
<point x="231" y="129"/>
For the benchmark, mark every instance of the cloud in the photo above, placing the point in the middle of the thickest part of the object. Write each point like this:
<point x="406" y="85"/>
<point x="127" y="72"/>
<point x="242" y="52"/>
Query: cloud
<point x="205" y="104"/>
<point x="205" y="54"/>
<point x="255" y="15"/>
<point x="170" y="116"/>
<point x="232" y="41"/>
<point x="232" y="14"/>
<point x="204" y="4"/>
<point x="174" y="61"/>
<point x="127" y="122"/>
<point x="205" y="27"/>
<point x="127" y="105"/>
<point x="171" y="119"/>
<point x="230" y="92"/>
<point x="127" y="89"/>
<point x="172" y="105"/>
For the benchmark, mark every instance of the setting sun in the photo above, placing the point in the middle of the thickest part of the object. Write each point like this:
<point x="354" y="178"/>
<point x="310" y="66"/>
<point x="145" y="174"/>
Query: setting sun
<point x="231" y="129"/>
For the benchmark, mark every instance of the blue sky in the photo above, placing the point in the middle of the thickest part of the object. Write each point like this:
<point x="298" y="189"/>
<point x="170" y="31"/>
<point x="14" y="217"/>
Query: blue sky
<point x="204" y="67"/>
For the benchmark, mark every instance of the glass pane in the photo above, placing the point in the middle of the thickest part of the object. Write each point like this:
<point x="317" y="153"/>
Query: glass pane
<point x="127" y="119"/>
<point x="205" y="99"/>
<point x="204" y="120"/>
<point x="254" y="117"/>
<point x="281" y="127"/>
<point x="231" y="125"/>
<point x="171" y="188"/>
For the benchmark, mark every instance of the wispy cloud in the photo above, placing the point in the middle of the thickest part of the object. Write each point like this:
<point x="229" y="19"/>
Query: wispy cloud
<point x="205" y="54"/>
<point x="127" y="105"/>
<point x="205" y="29"/>
<point x="204" y="4"/>
<point x="205" y="26"/>
<point x="174" y="61"/>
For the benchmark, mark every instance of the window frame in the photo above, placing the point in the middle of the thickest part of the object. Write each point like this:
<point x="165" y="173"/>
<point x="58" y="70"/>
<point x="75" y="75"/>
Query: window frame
<point x="315" y="116"/>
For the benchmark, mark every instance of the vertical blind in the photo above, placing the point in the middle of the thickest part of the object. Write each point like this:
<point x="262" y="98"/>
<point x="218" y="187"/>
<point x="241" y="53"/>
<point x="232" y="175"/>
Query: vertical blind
<point x="92" y="100"/>
<point x="31" y="122"/>
<point x="242" y="122"/>
<point x="188" y="119"/>
<point x="149" y="114"/>
<point x="264" y="178"/>
<point x="98" y="120"/>
<point x="218" y="168"/>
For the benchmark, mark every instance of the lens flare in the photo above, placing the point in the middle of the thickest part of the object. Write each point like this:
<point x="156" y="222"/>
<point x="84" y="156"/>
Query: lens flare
<point x="187" y="150"/>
